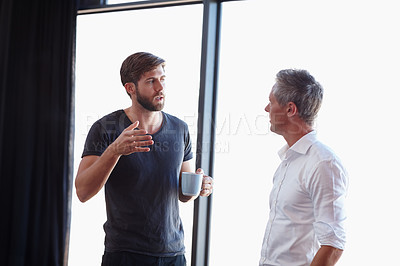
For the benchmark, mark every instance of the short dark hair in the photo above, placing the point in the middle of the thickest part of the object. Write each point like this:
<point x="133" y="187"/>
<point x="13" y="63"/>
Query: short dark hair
<point x="135" y="65"/>
<point x="299" y="87"/>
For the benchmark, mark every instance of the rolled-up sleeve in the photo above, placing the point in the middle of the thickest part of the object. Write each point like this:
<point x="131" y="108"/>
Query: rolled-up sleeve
<point x="328" y="188"/>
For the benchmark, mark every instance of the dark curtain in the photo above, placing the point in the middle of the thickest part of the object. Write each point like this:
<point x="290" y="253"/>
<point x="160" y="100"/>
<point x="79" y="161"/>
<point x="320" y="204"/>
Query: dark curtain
<point x="37" y="41"/>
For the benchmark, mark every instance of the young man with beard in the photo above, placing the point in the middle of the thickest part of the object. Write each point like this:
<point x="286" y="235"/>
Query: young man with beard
<point x="306" y="219"/>
<point x="138" y="154"/>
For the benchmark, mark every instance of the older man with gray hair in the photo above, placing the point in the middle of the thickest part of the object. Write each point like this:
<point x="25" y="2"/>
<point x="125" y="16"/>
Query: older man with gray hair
<point x="306" y="219"/>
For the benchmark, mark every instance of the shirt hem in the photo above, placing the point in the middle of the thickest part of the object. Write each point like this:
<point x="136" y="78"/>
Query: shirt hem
<point x="169" y="254"/>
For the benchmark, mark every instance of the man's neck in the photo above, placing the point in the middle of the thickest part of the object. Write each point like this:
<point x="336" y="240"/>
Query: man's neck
<point x="148" y="120"/>
<point x="292" y="136"/>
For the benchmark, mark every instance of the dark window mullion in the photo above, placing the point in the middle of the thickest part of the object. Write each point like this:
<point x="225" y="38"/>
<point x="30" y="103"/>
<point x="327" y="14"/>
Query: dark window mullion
<point x="206" y="127"/>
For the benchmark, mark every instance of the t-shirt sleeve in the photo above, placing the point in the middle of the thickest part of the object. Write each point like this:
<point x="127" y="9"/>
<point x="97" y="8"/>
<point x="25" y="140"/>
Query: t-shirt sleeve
<point x="97" y="140"/>
<point x="188" y="154"/>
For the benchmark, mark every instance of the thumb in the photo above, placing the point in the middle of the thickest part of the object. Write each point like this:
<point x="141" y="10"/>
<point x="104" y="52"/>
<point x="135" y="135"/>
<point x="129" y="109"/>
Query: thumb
<point x="199" y="171"/>
<point x="133" y="126"/>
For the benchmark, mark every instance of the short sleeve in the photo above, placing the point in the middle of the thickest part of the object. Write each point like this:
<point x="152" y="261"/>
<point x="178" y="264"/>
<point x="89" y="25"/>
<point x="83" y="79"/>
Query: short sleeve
<point x="188" y="154"/>
<point x="97" y="140"/>
<point x="328" y="188"/>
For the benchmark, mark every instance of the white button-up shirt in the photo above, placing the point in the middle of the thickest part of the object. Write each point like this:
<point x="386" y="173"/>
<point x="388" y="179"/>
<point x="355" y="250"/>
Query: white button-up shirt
<point x="306" y="204"/>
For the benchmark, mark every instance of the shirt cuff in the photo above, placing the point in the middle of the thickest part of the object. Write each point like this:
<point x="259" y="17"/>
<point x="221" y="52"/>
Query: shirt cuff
<point x="330" y="234"/>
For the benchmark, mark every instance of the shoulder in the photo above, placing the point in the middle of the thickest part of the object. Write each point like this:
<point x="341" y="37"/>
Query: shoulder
<point x="110" y="125"/>
<point x="116" y="115"/>
<point x="173" y="121"/>
<point x="112" y="120"/>
<point x="324" y="169"/>
<point x="322" y="151"/>
<point x="323" y="156"/>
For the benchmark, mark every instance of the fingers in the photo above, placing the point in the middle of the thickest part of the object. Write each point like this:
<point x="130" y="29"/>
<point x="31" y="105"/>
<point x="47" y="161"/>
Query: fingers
<point x="133" y="140"/>
<point x="138" y="136"/>
<point x="141" y="146"/>
<point x="132" y="126"/>
<point x="207" y="185"/>
<point x="139" y="143"/>
<point x="133" y="130"/>
<point x="199" y="171"/>
<point x="140" y="149"/>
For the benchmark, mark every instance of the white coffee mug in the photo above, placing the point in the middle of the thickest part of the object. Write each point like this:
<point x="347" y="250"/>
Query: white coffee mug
<point x="191" y="183"/>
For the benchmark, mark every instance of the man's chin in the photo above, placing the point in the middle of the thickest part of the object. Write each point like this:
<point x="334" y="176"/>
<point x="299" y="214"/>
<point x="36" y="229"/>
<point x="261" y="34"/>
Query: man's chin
<point x="159" y="107"/>
<point x="274" y="129"/>
<point x="153" y="107"/>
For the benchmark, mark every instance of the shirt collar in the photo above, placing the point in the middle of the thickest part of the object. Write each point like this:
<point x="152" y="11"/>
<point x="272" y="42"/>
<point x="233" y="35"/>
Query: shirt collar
<point x="301" y="146"/>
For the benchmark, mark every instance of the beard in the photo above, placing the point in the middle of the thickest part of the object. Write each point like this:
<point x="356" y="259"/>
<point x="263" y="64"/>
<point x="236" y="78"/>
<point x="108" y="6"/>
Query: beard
<point x="148" y="104"/>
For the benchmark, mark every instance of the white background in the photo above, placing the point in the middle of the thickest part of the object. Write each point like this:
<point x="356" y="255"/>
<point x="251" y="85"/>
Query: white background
<point x="352" y="49"/>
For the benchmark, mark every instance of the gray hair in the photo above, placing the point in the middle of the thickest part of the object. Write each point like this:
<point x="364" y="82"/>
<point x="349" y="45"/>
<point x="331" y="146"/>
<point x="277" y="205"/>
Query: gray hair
<point x="299" y="87"/>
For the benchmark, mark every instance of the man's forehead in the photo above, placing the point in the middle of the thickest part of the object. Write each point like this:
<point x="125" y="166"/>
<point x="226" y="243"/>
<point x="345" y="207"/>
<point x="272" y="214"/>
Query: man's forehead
<point x="159" y="70"/>
<point x="273" y="89"/>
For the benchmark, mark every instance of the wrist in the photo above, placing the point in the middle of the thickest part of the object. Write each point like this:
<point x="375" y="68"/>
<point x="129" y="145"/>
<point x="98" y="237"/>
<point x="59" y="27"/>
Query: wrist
<point x="112" y="151"/>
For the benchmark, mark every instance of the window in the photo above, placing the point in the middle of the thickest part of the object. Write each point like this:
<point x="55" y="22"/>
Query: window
<point x="103" y="42"/>
<point x="351" y="47"/>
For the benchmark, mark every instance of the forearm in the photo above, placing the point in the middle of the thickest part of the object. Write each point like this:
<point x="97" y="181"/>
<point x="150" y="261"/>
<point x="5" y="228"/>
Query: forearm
<point x="90" y="180"/>
<point x="94" y="171"/>
<point x="184" y="198"/>
<point x="327" y="256"/>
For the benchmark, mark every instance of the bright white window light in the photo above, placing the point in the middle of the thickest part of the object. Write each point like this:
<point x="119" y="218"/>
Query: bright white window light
<point x="352" y="48"/>
<point x="103" y="42"/>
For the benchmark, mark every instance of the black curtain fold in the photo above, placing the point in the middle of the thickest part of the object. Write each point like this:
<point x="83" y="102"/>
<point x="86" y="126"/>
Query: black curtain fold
<point x="37" y="41"/>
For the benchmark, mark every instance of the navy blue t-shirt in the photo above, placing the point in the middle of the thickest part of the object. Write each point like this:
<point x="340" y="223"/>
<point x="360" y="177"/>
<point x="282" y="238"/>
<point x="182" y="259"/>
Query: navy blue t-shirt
<point x="142" y="191"/>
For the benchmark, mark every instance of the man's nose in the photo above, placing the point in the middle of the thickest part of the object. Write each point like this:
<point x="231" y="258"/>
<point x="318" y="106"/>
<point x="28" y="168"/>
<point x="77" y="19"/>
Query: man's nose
<point x="159" y="86"/>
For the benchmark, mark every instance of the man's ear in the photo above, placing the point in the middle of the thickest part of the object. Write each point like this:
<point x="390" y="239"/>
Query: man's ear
<point x="130" y="88"/>
<point x="291" y="109"/>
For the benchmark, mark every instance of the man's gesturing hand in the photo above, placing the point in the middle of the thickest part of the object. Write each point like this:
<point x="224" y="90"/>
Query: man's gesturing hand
<point x="132" y="140"/>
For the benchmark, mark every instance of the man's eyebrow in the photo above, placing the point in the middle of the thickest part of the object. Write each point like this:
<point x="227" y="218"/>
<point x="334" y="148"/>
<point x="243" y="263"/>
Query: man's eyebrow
<point x="153" y="77"/>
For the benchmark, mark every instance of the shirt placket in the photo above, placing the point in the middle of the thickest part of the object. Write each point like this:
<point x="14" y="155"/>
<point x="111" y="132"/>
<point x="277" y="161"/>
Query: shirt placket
<point x="281" y="175"/>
